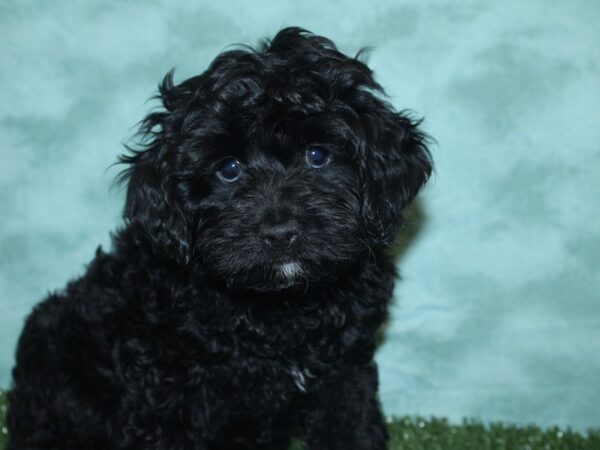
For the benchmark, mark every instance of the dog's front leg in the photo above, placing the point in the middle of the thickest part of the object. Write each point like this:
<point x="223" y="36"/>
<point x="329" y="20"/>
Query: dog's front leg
<point x="346" y="413"/>
<point x="160" y="418"/>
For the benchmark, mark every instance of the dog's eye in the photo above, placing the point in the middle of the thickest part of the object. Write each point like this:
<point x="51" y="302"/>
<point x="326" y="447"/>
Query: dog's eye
<point x="317" y="156"/>
<point x="230" y="170"/>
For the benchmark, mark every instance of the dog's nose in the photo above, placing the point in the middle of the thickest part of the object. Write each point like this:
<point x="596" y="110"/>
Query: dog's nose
<point x="280" y="233"/>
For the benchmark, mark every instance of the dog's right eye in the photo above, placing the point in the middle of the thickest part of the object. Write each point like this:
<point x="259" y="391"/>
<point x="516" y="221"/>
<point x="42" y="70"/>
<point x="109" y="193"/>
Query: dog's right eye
<point x="317" y="156"/>
<point x="230" y="170"/>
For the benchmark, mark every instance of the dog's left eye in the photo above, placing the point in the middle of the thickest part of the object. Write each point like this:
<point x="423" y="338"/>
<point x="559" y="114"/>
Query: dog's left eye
<point x="230" y="170"/>
<point x="317" y="156"/>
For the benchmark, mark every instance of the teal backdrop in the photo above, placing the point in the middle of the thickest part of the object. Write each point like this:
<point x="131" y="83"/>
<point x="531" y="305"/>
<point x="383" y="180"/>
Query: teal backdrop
<point x="497" y="316"/>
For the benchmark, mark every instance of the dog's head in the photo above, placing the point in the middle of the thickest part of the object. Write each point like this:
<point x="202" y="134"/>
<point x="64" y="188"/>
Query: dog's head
<point x="275" y="165"/>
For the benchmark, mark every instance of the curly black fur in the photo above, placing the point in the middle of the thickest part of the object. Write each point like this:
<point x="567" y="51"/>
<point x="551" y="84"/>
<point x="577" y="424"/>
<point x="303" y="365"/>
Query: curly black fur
<point x="199" y="331"/>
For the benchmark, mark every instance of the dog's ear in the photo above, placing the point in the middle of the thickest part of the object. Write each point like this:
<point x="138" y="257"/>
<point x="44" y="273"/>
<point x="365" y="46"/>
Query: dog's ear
<point x="395" y="164"/>
<point x="153" y="204"/>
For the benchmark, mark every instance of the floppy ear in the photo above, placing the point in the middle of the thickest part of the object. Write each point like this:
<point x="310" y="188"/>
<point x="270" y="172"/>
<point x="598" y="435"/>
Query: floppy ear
<point x="396" y="164"/>
<point x="152" y="204"/>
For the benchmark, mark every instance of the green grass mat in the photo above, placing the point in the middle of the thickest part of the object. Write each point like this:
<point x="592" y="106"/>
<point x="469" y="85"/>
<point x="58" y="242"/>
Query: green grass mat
<point x="438" y="434"/>
<point x="2" y="415"/>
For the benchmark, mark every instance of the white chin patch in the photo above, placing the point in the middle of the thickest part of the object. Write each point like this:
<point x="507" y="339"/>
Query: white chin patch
<point x="290" y="270"/>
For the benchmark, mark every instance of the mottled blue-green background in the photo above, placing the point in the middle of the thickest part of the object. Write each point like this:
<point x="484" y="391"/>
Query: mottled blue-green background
<point x="497" y="316"/>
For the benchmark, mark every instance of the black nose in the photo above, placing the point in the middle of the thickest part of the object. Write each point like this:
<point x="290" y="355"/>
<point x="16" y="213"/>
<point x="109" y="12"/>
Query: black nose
<point x="280" y="233"/>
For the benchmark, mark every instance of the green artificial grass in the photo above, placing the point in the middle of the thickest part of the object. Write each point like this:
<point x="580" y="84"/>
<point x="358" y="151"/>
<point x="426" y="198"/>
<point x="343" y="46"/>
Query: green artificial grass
<point x="437" y="434"/>
<point x="2" y="416"/>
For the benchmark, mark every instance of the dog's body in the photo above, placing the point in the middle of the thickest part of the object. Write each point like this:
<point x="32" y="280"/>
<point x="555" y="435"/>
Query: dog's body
<point x="241" y="299"/>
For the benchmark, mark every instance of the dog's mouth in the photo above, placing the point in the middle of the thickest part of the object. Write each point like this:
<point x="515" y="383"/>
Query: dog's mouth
<point x="284" y="275"/>
<point x="290" y="270"/>
<point x="287" y="274"/>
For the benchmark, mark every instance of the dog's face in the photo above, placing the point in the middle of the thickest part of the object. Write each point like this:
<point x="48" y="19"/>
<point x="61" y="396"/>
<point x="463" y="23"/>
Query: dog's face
<point x="280" y="205"/>
<point x="275" y="167"/>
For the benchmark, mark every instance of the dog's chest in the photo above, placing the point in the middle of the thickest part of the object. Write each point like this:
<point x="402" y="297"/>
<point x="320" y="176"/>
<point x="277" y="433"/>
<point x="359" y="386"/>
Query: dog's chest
<point x="267" y="369"/>
<point x="265" y="386"/>
<point x="257" y="359"/>
<point x="278" y="373"/>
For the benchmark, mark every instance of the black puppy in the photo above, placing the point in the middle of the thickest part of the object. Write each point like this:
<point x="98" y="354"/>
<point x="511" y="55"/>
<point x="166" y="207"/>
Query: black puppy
<point x="240" y="301"/>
